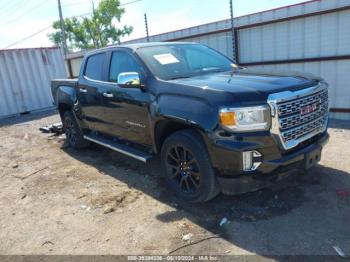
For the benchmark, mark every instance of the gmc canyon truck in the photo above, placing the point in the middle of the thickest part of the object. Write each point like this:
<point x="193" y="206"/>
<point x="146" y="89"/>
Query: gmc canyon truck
<point x="217" y="126"/>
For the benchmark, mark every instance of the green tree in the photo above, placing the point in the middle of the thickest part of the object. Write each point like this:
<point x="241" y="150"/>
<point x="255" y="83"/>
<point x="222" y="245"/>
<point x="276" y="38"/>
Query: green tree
<point x="97" y="31"/>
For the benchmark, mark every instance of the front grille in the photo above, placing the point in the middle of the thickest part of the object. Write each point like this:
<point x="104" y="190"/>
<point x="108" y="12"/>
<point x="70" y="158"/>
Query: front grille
<point x="303" y="130"/>
<point x="289" y="113"/>
<point x="300" y="118"/>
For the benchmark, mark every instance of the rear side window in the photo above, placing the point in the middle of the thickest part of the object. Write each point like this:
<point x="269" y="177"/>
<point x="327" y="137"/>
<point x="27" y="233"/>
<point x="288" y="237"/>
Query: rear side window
<point x="94" y="65"/>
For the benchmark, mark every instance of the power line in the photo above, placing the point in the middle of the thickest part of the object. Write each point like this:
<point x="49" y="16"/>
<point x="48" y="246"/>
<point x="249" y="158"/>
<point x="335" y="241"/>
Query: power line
<point x="8" y="8"/>
<point x="27" y="12"/>
<point x="79" y="3"/>
<point x="40" y="31"/>
<point x="27" y="37"/>
<point x="132" y="2"/>
<point x="43" y="29"/>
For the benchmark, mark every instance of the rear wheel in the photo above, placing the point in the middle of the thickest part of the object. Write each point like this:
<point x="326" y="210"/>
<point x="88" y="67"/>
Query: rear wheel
<point x="187" y="167"/>
<point x="73" y="132"/>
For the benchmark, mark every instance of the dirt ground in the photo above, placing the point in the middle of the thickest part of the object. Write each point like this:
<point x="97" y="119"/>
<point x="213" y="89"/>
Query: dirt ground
<point x="56" y="200"/>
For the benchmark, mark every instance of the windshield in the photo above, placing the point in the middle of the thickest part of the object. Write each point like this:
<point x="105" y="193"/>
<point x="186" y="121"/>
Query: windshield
<point x="183" y="60"/>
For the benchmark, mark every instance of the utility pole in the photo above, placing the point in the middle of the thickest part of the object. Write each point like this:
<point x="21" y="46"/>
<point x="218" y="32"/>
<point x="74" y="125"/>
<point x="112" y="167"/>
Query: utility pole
<point x="63" y="31"/>
<point x="234" y="58"/>
<point x="146" y="25"/>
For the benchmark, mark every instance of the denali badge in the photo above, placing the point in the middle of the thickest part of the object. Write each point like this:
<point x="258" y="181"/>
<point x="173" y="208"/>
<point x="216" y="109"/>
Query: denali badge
<point x="135" y="124"/>
<point x="308" y="109"/>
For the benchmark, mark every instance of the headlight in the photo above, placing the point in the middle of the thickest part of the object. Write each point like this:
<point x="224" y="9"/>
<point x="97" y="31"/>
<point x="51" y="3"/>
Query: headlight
<point x="256" y="118"/>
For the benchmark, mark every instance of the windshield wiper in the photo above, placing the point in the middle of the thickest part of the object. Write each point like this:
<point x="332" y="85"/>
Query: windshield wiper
<point x="202" y="71"/>
<point x="236" y="67"/>
<point x="179" y="77"/>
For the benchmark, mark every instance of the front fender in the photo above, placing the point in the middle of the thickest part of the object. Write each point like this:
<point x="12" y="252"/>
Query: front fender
<point x="188" y="110"/>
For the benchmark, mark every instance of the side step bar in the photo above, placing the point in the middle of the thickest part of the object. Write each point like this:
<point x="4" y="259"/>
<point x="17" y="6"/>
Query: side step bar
<point x="121" y="148"/>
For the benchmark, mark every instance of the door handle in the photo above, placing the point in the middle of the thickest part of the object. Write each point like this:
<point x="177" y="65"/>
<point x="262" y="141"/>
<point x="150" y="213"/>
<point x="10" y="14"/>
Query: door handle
<point x="83" y="90"/>
<point x="108" y="95"/>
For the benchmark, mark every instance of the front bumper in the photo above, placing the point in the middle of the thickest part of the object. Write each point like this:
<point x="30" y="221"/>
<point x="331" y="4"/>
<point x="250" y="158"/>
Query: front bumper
<point x="226" y="156"/>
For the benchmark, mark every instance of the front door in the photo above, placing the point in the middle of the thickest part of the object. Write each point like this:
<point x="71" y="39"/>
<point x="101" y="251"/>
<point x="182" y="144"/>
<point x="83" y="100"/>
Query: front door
<point x="127" y="109"/>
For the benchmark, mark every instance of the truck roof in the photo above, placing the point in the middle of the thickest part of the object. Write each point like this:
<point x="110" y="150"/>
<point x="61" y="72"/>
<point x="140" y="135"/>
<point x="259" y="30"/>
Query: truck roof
<point x="138" y="45"/>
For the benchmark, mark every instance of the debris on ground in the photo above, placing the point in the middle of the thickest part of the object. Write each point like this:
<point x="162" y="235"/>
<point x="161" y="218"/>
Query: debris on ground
<point x="223" y="221"/>
<point x="56" y="128"/>
<point x="31" y="174"/>
<point x="115" y="200"/>
<point x="108" y="209"/>
<point x="62" y="137"/>
<point x="47" y="243"/>
<point x="81" y="196"/>
<point x="193" y="243"/>
<point x="339" y="251"/>
<point x="187" y="237"/>
<point x="15" y="166"/>
<point x="87" y="208"/>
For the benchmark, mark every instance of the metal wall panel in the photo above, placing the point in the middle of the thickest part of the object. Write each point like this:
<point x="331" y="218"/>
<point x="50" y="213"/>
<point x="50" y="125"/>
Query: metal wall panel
<point x="76" y="63"/>
<point x="25" y="76"/>
<point x="314" y="29"/>
<point x="315" y="36"/>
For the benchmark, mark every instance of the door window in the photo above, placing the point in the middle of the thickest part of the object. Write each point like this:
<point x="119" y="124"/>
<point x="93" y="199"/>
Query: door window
<point x="122" y="62"/>
<point x="94" y="65"/>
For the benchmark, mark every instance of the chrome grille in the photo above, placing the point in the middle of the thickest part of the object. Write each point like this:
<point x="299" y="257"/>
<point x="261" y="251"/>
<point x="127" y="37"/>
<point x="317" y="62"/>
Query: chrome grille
<point x="290" y="125"/>
<point x="298" y="132"/>
<point x="291" y="117"/>
<point x="294" y="106"/>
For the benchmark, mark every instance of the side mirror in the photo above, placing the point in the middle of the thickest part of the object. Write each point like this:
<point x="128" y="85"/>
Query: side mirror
<point x="129" y="80"/>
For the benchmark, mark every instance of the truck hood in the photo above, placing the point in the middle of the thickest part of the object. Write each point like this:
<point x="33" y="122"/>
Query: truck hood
<point x="250" y="85"/>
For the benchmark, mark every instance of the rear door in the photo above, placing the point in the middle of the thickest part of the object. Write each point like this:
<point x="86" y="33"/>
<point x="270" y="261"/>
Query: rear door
<point x="90" y="91"/>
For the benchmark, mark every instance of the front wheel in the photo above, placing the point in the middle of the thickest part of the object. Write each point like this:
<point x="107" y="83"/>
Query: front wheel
<point x="73" y="132"/>
<point x="187" y="167"/>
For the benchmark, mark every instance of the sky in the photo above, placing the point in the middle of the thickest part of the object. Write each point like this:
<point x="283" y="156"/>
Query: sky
<point x="20" y="19"/>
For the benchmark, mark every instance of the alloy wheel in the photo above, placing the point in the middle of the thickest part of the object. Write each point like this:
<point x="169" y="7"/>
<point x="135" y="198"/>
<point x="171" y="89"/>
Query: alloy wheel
<point x="183" y="169"/>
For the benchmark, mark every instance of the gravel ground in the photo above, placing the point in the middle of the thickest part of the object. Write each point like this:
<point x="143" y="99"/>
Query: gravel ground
<point x="56" y="200"/>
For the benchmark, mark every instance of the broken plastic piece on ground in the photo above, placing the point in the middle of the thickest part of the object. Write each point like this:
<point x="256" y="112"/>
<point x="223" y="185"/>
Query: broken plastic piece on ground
<point x="187" y="237"/>
<point x="56" y="128"/>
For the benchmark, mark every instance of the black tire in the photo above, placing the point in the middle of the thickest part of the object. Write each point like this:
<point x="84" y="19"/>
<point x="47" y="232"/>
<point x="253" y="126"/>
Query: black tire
<point x="187" y="167"/>
<point x="74" y="135"/>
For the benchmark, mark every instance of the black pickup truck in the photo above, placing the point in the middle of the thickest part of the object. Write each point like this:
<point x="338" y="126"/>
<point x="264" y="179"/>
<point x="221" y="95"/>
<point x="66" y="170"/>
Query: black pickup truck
<point x="217" y="126"/>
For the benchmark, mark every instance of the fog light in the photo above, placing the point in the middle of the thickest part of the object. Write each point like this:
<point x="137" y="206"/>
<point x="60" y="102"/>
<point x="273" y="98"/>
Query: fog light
<point x="251" y="160"/>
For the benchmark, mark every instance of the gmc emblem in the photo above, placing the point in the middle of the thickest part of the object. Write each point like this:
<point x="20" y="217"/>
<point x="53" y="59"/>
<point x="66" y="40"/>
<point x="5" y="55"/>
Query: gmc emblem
<point x="308" y="109"/>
